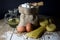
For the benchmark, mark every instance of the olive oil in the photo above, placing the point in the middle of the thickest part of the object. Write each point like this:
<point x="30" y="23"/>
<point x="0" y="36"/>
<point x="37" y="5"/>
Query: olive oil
<point x="13" y="22"/>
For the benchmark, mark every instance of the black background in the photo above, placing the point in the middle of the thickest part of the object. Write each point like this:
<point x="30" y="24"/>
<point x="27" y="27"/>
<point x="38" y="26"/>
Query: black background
<point x="50" y="8"/>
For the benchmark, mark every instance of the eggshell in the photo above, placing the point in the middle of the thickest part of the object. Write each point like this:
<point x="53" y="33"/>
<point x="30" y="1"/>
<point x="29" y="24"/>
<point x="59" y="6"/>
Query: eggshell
<point x="21" y="29"/>
<point x="28" y="27"/>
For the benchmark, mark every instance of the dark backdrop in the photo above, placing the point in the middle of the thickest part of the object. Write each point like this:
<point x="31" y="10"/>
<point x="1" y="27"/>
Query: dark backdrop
<point x="50" y="8"/>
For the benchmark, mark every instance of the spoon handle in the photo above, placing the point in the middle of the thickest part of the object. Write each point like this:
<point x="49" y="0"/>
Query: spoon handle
<point x="40" y="3"/>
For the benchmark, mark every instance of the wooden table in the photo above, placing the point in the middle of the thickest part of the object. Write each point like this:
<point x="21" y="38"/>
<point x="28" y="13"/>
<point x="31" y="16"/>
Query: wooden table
<point x="5" y="27"/>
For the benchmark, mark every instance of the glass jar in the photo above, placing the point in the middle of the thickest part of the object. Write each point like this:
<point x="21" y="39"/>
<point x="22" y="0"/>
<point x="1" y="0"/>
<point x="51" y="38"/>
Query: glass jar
<point x="12" y="18"/>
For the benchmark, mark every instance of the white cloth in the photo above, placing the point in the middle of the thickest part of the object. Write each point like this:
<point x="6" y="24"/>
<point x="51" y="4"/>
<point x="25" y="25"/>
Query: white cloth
<point x="24" y="19"/>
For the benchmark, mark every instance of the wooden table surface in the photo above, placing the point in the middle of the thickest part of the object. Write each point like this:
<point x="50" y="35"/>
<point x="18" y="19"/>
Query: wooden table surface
<point x="5" y="27"/>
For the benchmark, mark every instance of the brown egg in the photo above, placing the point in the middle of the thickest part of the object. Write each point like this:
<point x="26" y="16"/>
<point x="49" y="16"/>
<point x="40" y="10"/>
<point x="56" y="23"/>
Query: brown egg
<point x="21" y="29"/>
<point x="28" y="27"/>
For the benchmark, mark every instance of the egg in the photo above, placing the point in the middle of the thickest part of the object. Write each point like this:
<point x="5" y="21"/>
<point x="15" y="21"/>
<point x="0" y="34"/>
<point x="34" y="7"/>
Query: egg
<point x="21" y="29"/>
<point x="29" y="27"/>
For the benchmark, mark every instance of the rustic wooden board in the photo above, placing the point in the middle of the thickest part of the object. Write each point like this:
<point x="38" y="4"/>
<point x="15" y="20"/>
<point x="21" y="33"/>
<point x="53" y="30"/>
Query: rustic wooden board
<point x="5" y="27"/>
